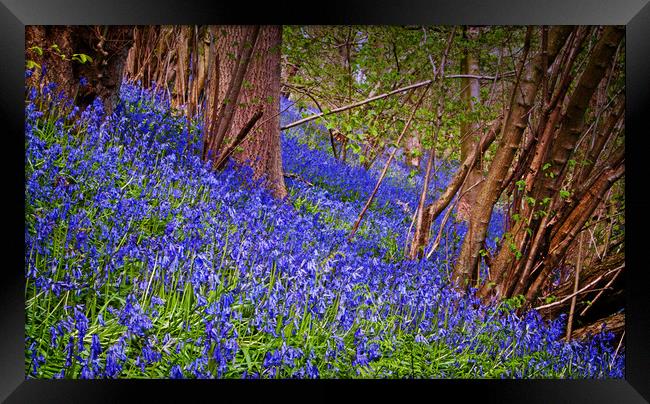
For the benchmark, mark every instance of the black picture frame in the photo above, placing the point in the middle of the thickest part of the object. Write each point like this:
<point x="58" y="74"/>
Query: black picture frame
<point x="15" y="14"/>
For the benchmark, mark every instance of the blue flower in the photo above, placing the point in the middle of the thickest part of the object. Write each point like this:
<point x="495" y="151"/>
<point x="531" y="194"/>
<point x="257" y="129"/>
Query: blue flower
<point x="176" y="372"/>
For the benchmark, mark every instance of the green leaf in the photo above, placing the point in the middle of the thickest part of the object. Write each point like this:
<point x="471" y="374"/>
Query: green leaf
<point x="530" y="200"/>
<point x="81" y="58"/>
<point x="521" y="184"/>
<point x="31" y="64"/>
<point x="37" y="49"/>
<point x="539" y="213"/>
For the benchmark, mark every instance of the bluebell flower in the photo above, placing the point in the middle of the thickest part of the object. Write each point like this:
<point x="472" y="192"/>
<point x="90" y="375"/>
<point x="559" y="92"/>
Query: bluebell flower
<point x="81" y="323"/>
<point x="176" y="372"/>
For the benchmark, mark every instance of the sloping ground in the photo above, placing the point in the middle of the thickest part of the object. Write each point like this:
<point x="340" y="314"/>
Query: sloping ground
<point x="139" y="262"/>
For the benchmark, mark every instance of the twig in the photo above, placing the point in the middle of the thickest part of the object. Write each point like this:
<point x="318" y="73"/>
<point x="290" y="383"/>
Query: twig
<point x="479" y="77"/>
<point x="582" y="313"/>
<point x="569" y="325"/>
<point x="408" y="233"/>
<point x="436" y="242"/>
<point x="618" y="347"/>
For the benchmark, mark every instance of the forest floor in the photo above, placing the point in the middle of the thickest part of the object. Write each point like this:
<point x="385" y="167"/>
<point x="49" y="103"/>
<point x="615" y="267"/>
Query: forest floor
<point x="142" y="263"/>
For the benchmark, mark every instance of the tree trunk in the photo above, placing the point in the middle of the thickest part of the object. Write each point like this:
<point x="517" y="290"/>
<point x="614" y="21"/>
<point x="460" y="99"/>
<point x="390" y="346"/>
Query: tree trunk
<point x="516" y="121"/>
<point x="56" y="69"/>
<point x="532" y="237"/>
<point x="573" y="118"/>
<point x="232" y="74"/>
<point x="260" y="89"/>
<point x="471" y="94"/>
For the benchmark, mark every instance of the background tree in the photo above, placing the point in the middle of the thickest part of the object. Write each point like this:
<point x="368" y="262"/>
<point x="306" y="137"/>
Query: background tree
<point x="469" y="129"/>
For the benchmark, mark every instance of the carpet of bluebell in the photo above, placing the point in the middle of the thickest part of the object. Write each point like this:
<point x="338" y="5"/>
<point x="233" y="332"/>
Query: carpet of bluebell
<point x="142" y="263"/>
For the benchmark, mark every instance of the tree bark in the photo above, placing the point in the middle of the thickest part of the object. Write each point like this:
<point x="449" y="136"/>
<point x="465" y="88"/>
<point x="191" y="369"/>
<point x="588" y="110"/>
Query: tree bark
<point x="56" y="69"/>
<point x="531" y="233"/>
<point x="260" y="91"/>
<point x="569" y="228"/>
<point x="460" y="176"/>
<point x="244" y="41"/>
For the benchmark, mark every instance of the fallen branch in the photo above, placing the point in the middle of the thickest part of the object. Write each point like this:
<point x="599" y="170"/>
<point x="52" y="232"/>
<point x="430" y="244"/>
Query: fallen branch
<point x="611" y="281"/>
<point x="614" y="323"/>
